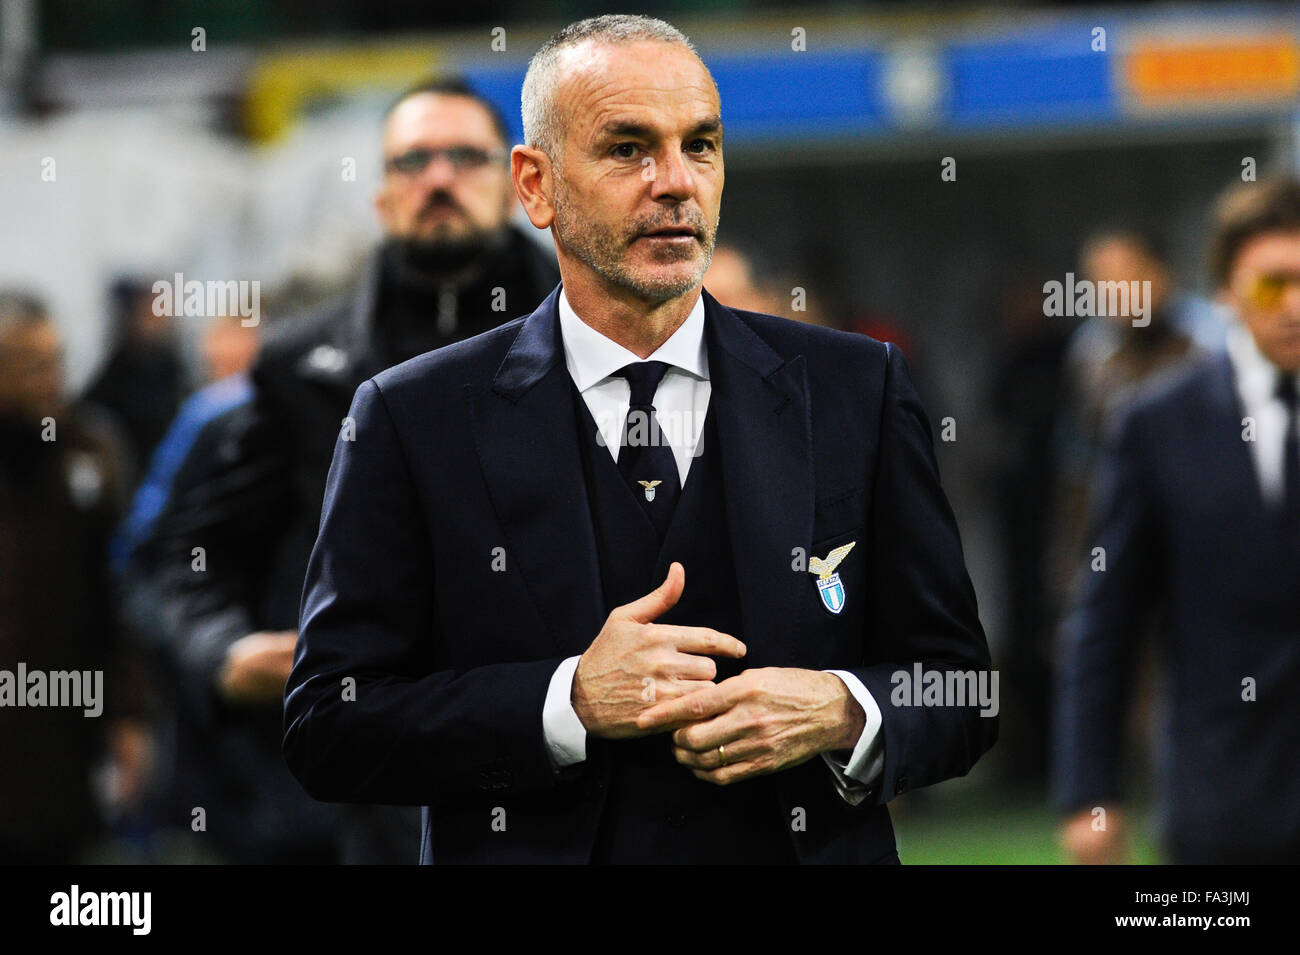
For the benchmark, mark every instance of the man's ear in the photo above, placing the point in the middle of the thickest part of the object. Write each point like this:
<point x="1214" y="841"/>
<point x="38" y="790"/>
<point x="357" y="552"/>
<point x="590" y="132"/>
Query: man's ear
<point x="382" y="207"/>
<point x="531" y="171"/>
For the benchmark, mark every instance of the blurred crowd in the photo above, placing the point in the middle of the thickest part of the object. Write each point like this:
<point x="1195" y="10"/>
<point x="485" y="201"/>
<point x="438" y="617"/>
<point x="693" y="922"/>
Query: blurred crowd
<point x="157" y="527"/>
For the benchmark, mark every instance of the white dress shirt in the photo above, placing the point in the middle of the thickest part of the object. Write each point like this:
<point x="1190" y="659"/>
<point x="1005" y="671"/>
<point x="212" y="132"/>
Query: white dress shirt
<point x="1256" y="380"/>
<point x="681" y="403"/>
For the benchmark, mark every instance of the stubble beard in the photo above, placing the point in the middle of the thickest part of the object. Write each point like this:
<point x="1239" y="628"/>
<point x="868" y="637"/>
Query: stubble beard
<point x="604" y="250"/>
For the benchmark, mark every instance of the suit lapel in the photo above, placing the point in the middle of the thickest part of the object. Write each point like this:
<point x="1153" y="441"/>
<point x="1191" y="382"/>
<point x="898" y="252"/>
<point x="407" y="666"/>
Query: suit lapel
<point x="527" y="443"/>
<point x="1235" y="454"/>
<point x="528" y="448"/>
<point x="763" y="418"/>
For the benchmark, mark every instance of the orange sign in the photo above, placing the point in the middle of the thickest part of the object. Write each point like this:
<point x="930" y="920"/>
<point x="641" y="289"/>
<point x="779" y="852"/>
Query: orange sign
<point x="1185" y="73"/>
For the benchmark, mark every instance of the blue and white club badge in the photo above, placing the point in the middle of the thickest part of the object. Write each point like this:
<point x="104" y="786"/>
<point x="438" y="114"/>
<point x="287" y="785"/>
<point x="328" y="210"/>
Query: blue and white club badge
<point x="829" y="584"/>
<point x="649" y="488"/>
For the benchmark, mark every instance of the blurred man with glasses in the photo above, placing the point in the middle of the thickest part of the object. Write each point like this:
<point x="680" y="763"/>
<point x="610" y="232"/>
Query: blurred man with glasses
<point x="450" y="266"/>
<point x="1198" y="520"/>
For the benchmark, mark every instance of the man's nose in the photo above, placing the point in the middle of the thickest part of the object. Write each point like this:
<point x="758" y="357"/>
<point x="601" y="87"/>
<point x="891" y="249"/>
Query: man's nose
<point x="672" y="176"/>
<point x="439" y="173"/>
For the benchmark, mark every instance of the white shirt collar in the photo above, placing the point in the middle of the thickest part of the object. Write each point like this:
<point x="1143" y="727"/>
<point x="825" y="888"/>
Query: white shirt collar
<point x="1256" y="375"/>
<point x="591" y="357"/>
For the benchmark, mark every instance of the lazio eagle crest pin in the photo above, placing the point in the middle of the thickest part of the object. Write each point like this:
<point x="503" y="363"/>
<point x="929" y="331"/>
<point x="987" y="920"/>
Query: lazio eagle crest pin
<point x="829" y="584"/>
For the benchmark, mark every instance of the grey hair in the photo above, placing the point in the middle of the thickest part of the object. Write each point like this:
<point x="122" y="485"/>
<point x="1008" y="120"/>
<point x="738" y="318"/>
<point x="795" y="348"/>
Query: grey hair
<point x="541" y="118"/>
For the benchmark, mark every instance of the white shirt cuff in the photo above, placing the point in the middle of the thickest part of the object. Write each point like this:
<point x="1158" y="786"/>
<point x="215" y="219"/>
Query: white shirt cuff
<point x="854" y="778"/>
<point x="566" y="737"/>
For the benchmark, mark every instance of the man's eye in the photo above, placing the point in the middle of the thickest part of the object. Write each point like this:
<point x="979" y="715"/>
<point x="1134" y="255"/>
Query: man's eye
<point x="413" y="160"/>
<point x="624" y="150"/>
<point x="706" y="143"/>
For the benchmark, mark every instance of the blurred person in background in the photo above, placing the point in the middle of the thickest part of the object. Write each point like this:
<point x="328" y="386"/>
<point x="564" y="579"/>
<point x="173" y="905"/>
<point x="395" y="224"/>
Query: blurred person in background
<point x="1108" y="361"/>
<point x="730" y="279"/>
<point x="739" y="279"/>
<point x="228" y="347"/>
<point x="61" y="489"/>
<point x="249" y="492"/>
<point x="1198" y="512"/>
<point x="1025" y="399"/>
<point x="143" y="380"/>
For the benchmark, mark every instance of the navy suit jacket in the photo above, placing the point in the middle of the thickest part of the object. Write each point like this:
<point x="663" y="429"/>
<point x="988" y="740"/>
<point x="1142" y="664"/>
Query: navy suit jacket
<point x="470" y="452"/>
<point x="1187" y="535"/>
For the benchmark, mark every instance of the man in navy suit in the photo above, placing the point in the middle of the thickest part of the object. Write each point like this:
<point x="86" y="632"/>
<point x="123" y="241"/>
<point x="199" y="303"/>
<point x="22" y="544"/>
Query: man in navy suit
<point x="1199" y="518"/>
<point x="637" y="578"/>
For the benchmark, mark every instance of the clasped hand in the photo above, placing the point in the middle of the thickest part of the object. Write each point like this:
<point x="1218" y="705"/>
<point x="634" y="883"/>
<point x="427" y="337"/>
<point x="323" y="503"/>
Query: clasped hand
<point x="639" y="678"/>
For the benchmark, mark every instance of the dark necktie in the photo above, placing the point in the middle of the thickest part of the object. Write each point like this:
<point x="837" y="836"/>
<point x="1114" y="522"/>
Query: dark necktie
<point x="645" y="458"/>
<point x="1286" y="391"/>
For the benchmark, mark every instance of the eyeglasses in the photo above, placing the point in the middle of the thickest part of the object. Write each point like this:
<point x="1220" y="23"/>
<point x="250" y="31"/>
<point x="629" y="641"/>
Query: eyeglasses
<point x="462" y="158"/>
<point x="1267" y="291"/>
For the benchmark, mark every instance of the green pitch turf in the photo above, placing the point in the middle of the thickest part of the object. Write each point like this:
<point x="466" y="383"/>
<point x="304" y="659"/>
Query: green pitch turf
<point x="985" y="827"/>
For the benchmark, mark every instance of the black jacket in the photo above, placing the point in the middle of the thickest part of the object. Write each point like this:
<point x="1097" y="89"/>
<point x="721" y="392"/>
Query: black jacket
<point x="1188" y="535"/>
<point x="822" y="441"/>
<point x="250" y="496"/>
<point x="59" y="496"/>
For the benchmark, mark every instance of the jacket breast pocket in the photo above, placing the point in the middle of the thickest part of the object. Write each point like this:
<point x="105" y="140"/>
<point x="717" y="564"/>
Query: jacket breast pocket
<point x="835" y="575"/>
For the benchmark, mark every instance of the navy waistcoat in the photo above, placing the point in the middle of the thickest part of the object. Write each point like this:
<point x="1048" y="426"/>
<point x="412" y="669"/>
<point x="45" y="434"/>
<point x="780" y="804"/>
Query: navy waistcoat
<point x="656" y="810"/>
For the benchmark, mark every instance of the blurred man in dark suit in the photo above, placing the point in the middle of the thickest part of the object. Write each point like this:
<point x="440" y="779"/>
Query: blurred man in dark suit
<point x="1107" y="361"/>
<point x="62" y="467"/>
<point x="249" y="493"/>
<point x="143" y="378"/>
<point x="1198" y="519"/>
<point x="561" y="594"/>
